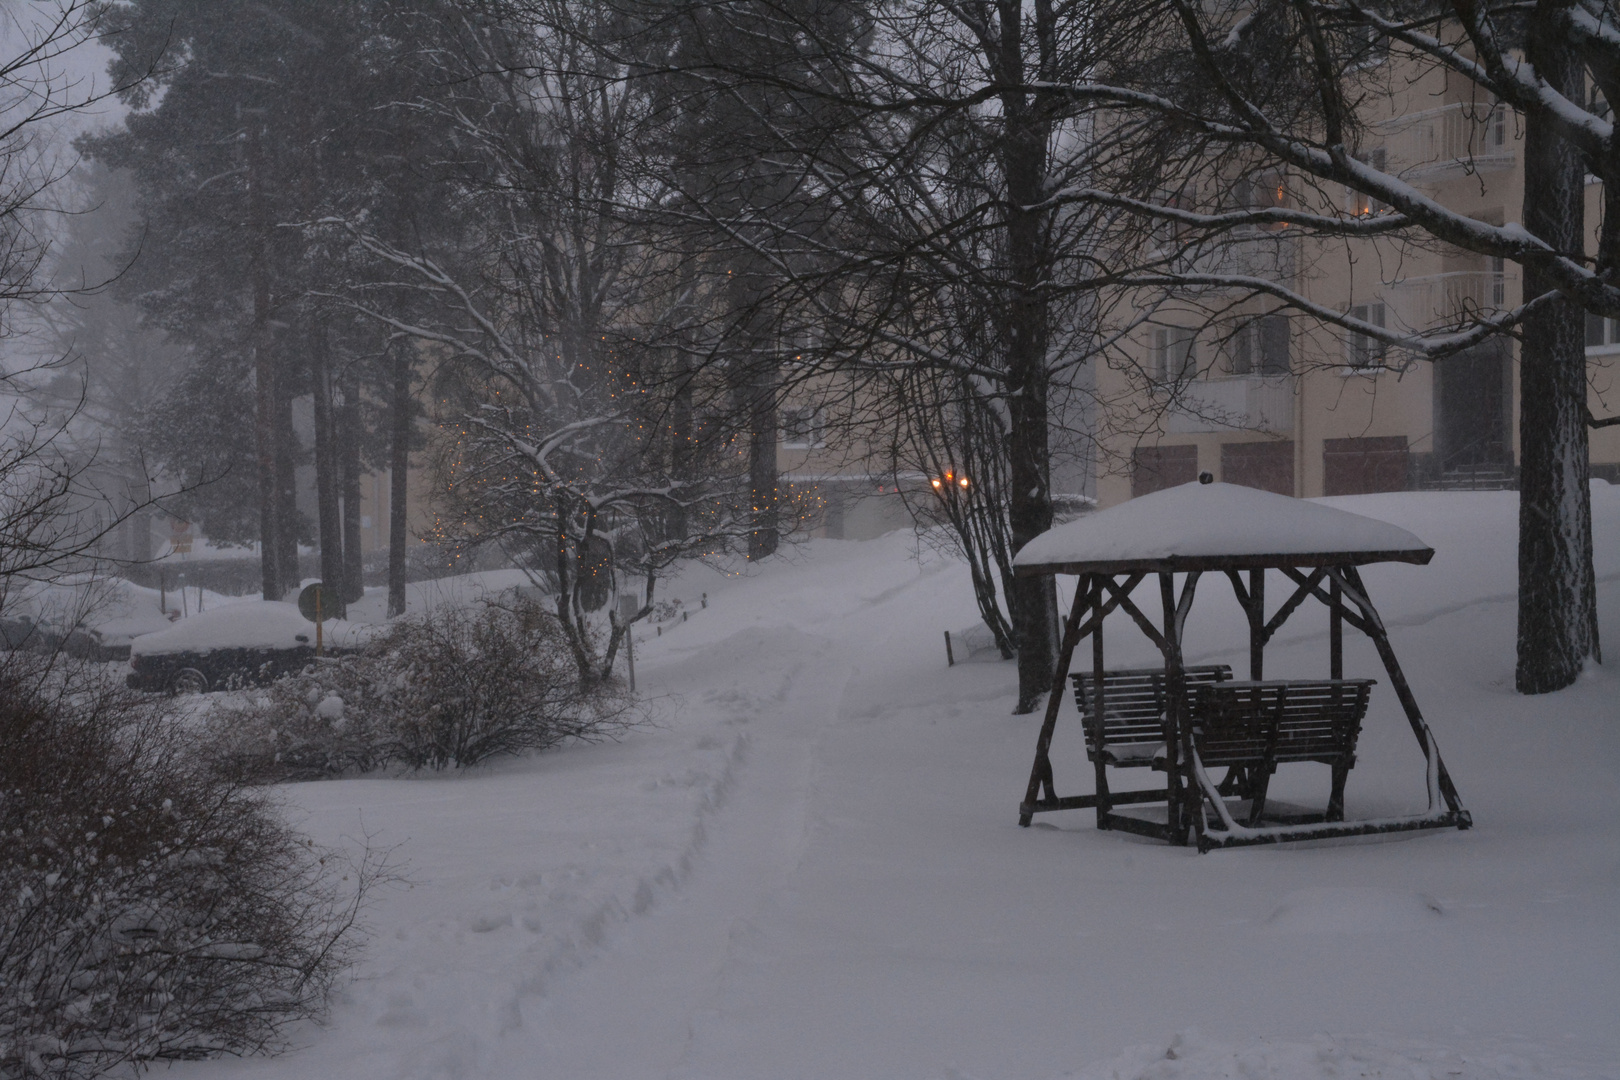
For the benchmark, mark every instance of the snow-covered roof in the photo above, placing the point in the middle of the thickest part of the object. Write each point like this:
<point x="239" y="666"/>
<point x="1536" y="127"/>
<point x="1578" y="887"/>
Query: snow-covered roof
<point x="255" y="624"/>
<point x="1216" y="527"/>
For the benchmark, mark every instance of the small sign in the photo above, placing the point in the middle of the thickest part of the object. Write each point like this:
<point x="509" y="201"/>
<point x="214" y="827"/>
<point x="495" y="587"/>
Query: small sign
<point x="317" y="603"/>
<point x="180" y="536"/>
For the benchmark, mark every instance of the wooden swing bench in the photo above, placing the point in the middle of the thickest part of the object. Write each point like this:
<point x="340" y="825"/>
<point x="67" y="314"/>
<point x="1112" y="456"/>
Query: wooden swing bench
<point x="1131" y="730"/>
<point x="1252" y="727"/>
<point x="1183" y="720"/>
<point x="1130" y="733"/>
<point x="1248" y="727"/>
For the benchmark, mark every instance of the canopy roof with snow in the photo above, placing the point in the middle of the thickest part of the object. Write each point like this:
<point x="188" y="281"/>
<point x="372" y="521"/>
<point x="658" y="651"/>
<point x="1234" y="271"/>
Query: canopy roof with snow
<point x="1201" y="526"/>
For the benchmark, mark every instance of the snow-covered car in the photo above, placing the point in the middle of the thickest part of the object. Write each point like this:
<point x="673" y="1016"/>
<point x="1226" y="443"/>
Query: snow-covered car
<point x="243" y="644"/>
<point x="83" y="615"/>
<point x="84" y="643"/>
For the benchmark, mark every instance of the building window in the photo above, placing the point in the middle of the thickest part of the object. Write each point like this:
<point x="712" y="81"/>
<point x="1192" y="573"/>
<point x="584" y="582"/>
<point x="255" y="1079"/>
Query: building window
<point x="1362" y="204"/>
<point x="1262" y="191"/>
<point x="1601" y="332"/>
<point x="800" y="346"/>
<point x="1175" y="353"/>
<point x="1370" y="45"/>
<point x="1496" y="128"/>
<point x="1365" y="351"/>
<point x="802" y="429"/>
<point x="1262" y="347"/>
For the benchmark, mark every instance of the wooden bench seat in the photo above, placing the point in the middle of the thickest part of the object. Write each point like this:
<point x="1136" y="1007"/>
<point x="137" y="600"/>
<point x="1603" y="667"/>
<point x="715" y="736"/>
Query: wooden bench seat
<point x="1256" y="726"/>
<point x="1131" y="730"/>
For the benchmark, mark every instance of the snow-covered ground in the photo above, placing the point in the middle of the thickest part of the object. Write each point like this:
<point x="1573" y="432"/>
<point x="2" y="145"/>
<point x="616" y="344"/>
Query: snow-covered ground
<point x="811" y="868"/>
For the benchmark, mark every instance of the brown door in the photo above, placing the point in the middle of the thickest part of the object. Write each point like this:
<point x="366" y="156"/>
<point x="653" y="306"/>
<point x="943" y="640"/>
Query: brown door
<point x="1266" y="465"/>
<point x="1362" y="466"/>
<point x="1156" y="467"/>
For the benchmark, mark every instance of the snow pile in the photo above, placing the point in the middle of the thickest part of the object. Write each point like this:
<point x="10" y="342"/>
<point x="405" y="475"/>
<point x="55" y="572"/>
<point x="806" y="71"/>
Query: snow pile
<point x="1196" y="519"/>
<point x="116" y="609"/>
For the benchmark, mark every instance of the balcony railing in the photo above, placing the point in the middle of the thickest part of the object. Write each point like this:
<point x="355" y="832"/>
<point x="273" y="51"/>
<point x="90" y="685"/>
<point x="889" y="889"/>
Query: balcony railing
<point x="1271" y="254"/>
<point x="1234" y="404"/>
<point x="1452" y="137"/>
<point x="1433" y="300"/>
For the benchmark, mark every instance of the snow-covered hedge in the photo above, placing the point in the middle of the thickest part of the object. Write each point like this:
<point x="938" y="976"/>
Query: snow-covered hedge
<point x="446" y="689"/>
<point x="149" y="908"/>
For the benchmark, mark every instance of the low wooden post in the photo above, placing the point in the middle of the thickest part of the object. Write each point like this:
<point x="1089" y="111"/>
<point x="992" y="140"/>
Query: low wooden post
<point x="950" y="660"/>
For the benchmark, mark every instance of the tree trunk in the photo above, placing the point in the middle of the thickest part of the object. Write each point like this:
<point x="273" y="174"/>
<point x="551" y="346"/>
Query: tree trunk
<point x="399" y="474"/>
<point x="326" y="472"/>
<point x="762" y="471"/>
<point x="286" y="451"/>
<point x="682" y="432"/>
<point x="264" y="376"/>
<point x="354" y="566"/>
<point x="1023" y="153"/>
<point x="1557" y="589"/>
<point x="753" y="388"/>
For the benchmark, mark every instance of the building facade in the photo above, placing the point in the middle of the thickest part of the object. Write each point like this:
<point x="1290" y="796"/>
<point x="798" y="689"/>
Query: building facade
<point x="1278" y="401"/>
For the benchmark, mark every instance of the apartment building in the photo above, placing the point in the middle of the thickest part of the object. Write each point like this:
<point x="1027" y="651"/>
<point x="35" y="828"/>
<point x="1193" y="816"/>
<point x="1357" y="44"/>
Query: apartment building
<point x="1282" y="403"/>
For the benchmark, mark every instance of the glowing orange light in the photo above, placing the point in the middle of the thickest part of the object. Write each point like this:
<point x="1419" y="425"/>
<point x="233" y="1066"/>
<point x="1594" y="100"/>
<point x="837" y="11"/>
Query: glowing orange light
<point x="936" y="483"/>
<point x="963" y="481"/>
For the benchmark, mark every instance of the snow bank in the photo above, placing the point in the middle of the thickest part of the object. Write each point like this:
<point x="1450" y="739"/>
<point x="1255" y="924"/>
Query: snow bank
<point x="115" y="608"/>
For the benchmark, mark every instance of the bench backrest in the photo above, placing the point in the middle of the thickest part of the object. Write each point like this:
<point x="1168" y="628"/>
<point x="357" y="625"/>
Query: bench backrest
<point x="1305" y="720"/>
<point x="1133" y="702"/>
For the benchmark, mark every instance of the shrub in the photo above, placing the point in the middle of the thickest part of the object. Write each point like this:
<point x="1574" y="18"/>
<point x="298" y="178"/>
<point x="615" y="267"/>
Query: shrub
<point x="153" y="909"/>
<point x="452" y="688"/>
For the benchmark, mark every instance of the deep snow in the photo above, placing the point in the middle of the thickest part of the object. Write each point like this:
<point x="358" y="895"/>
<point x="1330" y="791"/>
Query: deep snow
<point x="812" y="867"/>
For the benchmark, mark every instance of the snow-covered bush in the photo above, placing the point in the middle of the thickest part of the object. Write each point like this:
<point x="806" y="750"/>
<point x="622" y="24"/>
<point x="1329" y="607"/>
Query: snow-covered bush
<point x="447" y="689"/>
<point x="149" y="907"/>
<point x="318" y="723"/>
